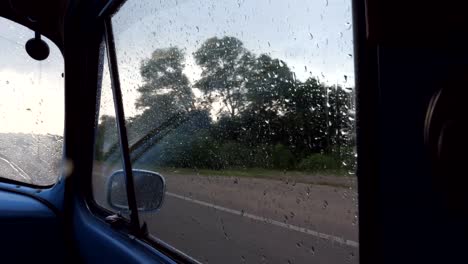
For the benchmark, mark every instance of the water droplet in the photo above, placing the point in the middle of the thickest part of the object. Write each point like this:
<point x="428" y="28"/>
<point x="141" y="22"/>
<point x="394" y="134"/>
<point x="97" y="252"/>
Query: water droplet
<point x="325" y="204"/>
<point x="242" y="258"/>
<point x="312" y="250"/>
<point x="355" y="219"/>
<point x="348" y="25"/>
<point x="350" y="257"/>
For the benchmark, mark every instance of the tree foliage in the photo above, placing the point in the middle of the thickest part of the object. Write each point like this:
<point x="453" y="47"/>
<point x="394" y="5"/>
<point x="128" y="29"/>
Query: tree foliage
<point x="268" y="118"/>
<point x="224" y="63"/>
<point x="165" y="85"/>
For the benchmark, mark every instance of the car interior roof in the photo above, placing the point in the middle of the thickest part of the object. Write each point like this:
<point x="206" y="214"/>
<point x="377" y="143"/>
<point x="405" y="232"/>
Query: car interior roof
<point x="45" y="16"/>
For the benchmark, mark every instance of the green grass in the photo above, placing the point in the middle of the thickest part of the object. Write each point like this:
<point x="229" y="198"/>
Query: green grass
<point x="291" y="176"/>
<point x="251" y="172"/>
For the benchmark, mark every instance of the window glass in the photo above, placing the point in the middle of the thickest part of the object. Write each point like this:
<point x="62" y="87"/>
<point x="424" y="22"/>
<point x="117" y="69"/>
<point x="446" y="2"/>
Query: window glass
<point x="247" y="109"/>
<point x="107" y="151"/>
<point x="31" y="109"/>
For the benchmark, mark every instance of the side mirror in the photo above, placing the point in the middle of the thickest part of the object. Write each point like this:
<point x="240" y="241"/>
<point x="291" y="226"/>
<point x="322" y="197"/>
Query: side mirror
<point x="150" y="188"/>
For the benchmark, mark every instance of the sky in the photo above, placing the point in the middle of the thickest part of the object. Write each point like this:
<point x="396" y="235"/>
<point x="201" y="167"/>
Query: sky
<point x="313" y="37"/>
<point x="31" y="92"/>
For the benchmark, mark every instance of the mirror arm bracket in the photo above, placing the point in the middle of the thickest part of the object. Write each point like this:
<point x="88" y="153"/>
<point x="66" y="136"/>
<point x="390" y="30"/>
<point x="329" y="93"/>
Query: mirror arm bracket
<point x="144" y="230"/>
<point x="115" y="220"/>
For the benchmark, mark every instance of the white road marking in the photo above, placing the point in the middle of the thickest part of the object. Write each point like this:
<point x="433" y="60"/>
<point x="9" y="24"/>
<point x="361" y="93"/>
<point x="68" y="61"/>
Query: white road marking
<point x="304" y="230"/>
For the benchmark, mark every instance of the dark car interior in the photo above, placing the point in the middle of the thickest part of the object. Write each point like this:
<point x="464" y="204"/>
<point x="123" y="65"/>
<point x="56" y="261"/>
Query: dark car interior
<point x="411" y="68"/>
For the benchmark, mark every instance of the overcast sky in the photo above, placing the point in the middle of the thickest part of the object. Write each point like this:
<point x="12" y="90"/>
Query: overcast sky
<point x="314" y="37"/>
<point x="32" y="95"/>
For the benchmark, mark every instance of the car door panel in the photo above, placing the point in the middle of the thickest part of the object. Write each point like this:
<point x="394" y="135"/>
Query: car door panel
<point x="98" y="242"/>
<point x="30" y="228"/>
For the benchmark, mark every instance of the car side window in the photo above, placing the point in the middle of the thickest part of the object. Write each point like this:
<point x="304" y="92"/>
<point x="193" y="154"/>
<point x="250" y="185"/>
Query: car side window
<point x="246" y="108"/>
<point x="107" y="150"/>
<point x="31" y="109"/>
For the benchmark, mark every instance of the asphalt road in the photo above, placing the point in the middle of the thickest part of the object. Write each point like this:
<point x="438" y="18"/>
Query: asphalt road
<point x="243" y="221"/>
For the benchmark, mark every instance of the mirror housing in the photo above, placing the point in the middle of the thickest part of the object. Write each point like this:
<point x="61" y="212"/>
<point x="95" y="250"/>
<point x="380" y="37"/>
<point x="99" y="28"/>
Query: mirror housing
<point x="37" y="48"/>
<point x="150" y="188"/>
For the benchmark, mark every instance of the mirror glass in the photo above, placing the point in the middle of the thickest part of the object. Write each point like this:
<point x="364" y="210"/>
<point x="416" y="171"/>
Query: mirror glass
<point x="149" y="189"/>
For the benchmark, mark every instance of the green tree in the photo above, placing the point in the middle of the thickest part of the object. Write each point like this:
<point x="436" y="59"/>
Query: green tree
<point x="166" y="92"/>
<point x="305" y="117"/>
<point x="268" y="84"/>
<point x="164" y="84"/>
<point x="224" y="63"/>
<point x="341" y="121"/>
<point x="268" y="118"/>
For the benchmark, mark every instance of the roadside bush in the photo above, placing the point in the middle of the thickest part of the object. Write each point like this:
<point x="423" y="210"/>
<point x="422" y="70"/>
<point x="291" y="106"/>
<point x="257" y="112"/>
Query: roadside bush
<point x="262" y="156"/>
<point x="205" y="152"/>
<point x="282" y="157"/>
<point x="319" y="162"/>
<point x="235" y="155"/>
<point x="346" y="154"/>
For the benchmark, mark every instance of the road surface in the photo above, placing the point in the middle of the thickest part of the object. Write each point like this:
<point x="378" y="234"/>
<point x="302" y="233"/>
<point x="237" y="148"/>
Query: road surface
<point x="243" y="220"/>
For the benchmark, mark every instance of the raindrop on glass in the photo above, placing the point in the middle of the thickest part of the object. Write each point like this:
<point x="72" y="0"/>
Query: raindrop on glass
<point x="312" y="250"/>
<point x="325" y="204"/>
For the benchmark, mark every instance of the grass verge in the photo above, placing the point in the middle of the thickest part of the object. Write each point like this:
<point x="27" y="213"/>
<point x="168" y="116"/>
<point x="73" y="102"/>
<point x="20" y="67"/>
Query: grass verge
<point x="328" y="178"/>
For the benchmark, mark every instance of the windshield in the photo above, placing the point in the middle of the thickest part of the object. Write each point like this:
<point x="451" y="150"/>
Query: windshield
<point x="31" y="109"/>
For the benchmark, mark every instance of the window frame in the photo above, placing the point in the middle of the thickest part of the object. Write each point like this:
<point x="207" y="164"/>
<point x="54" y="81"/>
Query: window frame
<point x="120" y="119"/>
<point x="95" y="208"/>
